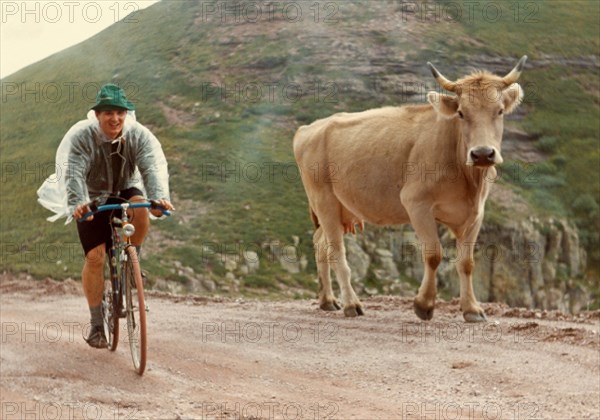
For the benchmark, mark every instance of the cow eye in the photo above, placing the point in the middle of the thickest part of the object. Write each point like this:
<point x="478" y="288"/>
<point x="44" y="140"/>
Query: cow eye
<point x="501" y="112"/>
<point x="460" y="115"/>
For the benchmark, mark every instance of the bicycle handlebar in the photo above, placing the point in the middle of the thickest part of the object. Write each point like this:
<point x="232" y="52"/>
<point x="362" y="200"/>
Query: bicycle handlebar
<point x="105" y="207"/>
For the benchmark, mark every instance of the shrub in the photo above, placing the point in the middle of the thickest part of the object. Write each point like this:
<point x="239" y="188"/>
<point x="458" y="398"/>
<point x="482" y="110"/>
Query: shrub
<point x="547" y="144"/>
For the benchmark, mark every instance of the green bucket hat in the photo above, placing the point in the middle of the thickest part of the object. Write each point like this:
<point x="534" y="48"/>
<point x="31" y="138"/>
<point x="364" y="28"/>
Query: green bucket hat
<point x="112" y="96"/>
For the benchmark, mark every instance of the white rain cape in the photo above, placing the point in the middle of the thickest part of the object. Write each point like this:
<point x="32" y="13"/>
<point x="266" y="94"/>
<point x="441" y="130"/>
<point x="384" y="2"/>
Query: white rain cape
<point x="53" y="195"/>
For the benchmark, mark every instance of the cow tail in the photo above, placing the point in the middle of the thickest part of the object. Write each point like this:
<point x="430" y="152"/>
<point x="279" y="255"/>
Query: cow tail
<point x="314" y="218"/>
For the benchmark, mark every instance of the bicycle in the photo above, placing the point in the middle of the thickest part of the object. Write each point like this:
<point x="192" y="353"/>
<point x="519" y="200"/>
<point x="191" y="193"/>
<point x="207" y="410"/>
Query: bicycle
<point x="124" y="281"/>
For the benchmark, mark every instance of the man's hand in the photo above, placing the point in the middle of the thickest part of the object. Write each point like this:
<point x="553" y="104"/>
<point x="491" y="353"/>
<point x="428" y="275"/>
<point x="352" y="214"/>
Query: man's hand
<point x="166" y="204"/>
<point x="80" y="210"/>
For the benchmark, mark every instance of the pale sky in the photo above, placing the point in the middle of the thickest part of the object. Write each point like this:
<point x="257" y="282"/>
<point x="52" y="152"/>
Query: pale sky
<point x="33" y="30"/>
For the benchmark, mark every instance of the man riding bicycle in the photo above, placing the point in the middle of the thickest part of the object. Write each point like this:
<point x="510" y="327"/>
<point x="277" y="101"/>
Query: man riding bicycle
<point x="109" y="155"/>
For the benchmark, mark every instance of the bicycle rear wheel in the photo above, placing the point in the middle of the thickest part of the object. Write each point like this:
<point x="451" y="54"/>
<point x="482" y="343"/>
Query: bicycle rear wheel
<point x="135" y="309"/>
<point x="110" y="299"/>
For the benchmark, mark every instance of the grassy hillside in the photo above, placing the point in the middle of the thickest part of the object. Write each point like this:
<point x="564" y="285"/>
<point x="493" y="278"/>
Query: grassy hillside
<point x="225" y="93"/>
<point x="563" y="86"/>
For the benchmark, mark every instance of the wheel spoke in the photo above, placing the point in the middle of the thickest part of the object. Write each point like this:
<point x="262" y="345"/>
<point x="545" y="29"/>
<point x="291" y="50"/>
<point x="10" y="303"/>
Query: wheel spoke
<point x="136" y="319"/>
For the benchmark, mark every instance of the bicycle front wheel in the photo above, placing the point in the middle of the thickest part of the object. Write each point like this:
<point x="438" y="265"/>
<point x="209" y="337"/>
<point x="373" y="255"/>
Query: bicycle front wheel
<point x="135" y="309"/>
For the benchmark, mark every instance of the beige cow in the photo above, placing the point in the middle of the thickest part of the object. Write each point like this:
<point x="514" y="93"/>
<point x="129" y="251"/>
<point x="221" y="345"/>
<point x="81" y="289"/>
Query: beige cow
<point x="421" y="164"/>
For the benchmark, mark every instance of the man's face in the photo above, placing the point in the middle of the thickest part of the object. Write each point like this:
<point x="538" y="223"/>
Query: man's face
<point x="111" y="121"/>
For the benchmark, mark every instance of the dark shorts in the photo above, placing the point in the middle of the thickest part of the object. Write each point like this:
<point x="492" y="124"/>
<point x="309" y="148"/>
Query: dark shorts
<point x="98" y="231"/>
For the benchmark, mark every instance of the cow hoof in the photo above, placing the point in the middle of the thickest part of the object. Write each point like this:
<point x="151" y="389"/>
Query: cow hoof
<point x="424" y="313"/>
<point x="352" y="311"/>
<point x="475" y="317"/>
<point x="330" y="306"/>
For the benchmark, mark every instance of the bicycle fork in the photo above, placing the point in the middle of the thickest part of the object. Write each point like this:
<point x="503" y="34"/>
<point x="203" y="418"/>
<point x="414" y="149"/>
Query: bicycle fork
<point x="116" y="284"/>
<point x="124" y="259"/>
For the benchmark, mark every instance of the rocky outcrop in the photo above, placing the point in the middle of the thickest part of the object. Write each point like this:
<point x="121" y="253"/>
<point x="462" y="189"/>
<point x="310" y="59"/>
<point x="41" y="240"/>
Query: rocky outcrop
<point x="287" y="255"/>
<point x="526" y="262"/>
<point x="358" y="259"/>
<point x="535" y="263"/>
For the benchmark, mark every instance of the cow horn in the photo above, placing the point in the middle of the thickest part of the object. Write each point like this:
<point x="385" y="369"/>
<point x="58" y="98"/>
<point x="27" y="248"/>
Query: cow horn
<point x="514" y="74"/>
<point x="445" y="83"/>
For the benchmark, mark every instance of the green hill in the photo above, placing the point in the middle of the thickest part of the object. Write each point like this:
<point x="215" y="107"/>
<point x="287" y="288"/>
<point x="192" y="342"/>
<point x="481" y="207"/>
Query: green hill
<point x="224" y="85"/>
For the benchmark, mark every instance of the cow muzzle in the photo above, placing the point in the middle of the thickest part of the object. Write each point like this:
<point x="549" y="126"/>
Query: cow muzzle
<point x="483" y="156"/>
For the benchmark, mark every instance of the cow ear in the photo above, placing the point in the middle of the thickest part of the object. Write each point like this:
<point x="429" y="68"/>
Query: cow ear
<point x="444" y="105"/>
<point x="512" y="97"/>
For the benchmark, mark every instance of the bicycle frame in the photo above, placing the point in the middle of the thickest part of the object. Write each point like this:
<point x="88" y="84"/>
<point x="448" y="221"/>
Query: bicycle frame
<point x="116" y="256"/>
<point x="125" y="299"/>
<point x="117" y="247"/>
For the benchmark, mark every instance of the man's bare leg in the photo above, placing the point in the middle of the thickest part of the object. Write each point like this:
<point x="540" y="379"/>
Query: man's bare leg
<point x="93" y="287"/>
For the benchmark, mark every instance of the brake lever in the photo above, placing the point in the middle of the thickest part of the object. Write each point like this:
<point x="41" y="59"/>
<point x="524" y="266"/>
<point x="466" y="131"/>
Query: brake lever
<point x="156" y="205"/>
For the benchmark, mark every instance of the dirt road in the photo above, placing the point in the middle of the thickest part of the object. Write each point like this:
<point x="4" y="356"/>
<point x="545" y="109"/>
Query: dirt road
<point x="212" y="358"/>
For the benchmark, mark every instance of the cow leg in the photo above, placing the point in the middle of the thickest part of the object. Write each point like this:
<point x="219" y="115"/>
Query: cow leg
<point x="472" y="311"/>
<point x="327" y="300"/>
<point x="426" y="229"/>
<point x="335" y="252"/>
